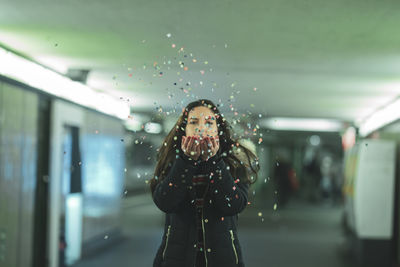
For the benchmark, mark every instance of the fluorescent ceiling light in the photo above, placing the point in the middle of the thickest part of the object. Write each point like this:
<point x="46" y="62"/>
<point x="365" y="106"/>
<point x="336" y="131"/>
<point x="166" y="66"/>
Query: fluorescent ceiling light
<point x="136" y="121"/>
<point x="37" y="76"/>
<point x="133" y="125"/>
<point x="152" y="127"/>
<point x="380" y="118"/>
<point x="302" y="124"/>
<point x="55" y="63"/>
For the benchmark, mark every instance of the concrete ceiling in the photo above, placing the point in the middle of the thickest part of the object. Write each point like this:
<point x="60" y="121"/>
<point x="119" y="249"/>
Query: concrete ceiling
<point x="299" y="58"/>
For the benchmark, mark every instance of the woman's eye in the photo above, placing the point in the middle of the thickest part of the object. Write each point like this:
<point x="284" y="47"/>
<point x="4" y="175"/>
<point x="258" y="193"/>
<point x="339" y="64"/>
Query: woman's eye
<point x="193" y="122"/>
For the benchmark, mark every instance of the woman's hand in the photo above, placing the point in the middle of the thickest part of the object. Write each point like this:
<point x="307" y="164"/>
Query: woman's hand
<point x="191" y="146"/>
<point x="209" y="147"/>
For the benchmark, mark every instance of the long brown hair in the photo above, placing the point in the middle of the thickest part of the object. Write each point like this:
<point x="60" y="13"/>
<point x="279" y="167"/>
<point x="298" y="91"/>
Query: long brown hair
<point x="171" y="146"/>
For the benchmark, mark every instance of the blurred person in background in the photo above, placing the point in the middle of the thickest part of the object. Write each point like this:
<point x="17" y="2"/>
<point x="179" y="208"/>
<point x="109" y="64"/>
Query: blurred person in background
<point x="326" y="183"/>
<point x="285" y="179"/>
<point x="337" y="182"/>
<point x="312" y="171"/>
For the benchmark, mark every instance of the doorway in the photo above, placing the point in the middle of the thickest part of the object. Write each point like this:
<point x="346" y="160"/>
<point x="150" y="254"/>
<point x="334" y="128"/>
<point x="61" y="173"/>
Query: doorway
<point x="70" y="243"/>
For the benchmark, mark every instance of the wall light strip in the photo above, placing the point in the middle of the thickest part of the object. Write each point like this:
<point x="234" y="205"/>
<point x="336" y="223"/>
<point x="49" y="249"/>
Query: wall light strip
<point x="153" y="127"/>
<point x="380" y="118"/>
<point x="35" y="75"/>
<point x="302" y="124"/>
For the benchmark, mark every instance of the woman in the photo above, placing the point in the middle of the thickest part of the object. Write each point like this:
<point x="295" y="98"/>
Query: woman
<point x="201" y="182"/>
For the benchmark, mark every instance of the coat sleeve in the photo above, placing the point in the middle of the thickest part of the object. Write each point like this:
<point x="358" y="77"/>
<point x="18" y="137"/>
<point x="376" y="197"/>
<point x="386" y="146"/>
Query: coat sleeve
<point x="171" y="191"/>
<point x="230" y="194"/>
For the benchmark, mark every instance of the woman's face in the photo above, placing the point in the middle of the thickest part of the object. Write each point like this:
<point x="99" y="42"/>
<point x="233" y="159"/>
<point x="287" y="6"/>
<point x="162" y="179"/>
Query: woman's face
<point x="201" y="122"/>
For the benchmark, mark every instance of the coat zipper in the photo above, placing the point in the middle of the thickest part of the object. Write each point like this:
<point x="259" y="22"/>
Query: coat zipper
<point x="204" y="237"/>
<point x="233" y="246"/>
<point x="166" y="242"/>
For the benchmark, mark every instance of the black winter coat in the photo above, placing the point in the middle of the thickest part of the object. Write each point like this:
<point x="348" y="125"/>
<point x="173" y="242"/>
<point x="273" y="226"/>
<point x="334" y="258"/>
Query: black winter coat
<point x="226" y="197"/>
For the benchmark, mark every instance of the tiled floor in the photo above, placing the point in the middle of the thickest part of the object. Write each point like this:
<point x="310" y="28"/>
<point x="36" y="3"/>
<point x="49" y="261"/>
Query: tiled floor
<point x="299" y="235"/>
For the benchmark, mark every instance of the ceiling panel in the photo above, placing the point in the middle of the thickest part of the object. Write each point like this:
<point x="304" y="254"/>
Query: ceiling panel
<point x="306" y="58"/>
